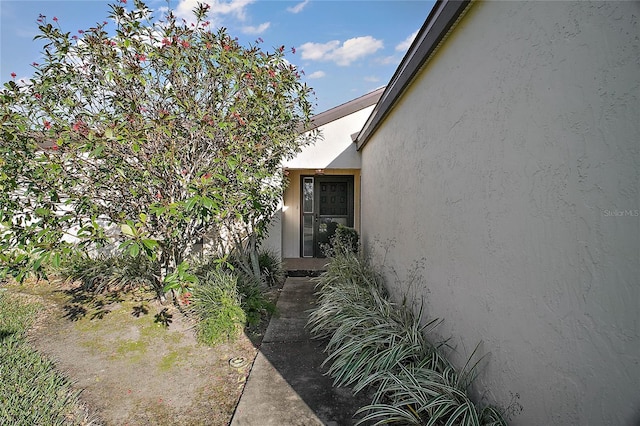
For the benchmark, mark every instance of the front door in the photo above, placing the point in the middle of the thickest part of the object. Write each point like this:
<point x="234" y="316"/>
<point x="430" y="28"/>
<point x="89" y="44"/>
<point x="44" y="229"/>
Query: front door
<point x="326" y="202"/>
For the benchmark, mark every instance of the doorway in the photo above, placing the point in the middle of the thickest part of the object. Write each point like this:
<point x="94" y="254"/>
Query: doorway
<point x="327" y="201"/>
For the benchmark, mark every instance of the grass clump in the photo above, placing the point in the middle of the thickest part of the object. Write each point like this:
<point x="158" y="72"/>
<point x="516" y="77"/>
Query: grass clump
<point x="33" y="392"/>
<point x="226" y="298"/>
<point x="376" y="343"/>
<point x="217" y="303"/>
<point x="271" y="267"/>
<point x="111" y="273"/>
<point x="254" y="303"/>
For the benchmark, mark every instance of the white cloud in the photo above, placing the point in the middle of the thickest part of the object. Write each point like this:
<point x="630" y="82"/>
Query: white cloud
<point x="24" y="81"/>
<point x="356" y="48"/>
<point x="154" y="38"/>
<point x="371" y="79"/>
<point x="317" y="74"/>
<point x="318" y="51"/>
<point x="233" y="7"/>
<point x="388" y="60"/>
<point x="256" y="30"/>
<point x="406" y="43"/>
<point x="342" y="54"/>
<point x="219" y="8"/>
<point x="298" y="7"/>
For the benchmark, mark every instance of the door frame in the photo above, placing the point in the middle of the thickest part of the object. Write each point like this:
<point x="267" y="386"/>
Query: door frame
<point x="315" y="213"/>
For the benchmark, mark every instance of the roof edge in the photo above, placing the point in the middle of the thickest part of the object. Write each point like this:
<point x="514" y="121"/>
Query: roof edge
<point x="441" y="19"/>
<point x="345" y="109"/>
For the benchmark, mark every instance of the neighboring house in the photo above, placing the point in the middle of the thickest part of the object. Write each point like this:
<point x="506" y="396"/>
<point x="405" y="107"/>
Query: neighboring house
<point x="504" y="158"/>
<point x="324" y="182"/>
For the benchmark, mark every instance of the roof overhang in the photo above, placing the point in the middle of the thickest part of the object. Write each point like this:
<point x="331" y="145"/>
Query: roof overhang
<point x="345" y="109"/>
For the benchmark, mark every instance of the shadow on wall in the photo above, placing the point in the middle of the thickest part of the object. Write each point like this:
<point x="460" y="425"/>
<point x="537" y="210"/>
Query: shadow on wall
<point x="346" y="159"/>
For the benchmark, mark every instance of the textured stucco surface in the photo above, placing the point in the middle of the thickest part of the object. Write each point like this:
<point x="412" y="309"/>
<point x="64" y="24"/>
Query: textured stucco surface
<point x="509" y="173"/>
<point x="334" y="148"/>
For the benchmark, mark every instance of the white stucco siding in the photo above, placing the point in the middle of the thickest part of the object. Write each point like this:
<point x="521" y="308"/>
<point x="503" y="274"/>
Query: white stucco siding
<point x="273" y="239"/>
<point x="511" y="167"/>
<point x="334" y="148"/>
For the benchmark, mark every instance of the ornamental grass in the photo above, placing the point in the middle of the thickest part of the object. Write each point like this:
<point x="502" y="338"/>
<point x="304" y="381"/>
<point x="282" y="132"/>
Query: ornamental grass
<point x="376" y="343"/>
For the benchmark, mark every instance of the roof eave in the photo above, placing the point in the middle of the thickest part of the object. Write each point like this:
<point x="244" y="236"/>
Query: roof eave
<point x="442" y="18"/>
<point x="344" y="109"/>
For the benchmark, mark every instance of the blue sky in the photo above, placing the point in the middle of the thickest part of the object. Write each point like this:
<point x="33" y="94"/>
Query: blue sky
<point x="345" y="48"/>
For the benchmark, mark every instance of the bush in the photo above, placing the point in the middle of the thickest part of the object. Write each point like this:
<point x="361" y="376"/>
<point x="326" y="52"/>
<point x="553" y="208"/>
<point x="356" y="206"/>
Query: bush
<point x="255" y="304"/>
<point x="111" y="273"/>
<point x="217" y="303"/>
<point x="271" y="267"/>
<point x="376" y="343"/>
<point x="253" y="301"/>
<point x="346" y="238"/>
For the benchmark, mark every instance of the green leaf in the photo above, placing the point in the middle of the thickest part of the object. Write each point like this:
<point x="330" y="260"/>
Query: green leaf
<point x="127" y="230"/>
<point x="190" y="203"/>
<point x="150" y="244"/>
<point x="97" y="151"/>
<point x="208" y="203"/>
<point x="55" y="261"/>
<point x="172" y="284"/>
<point x="134" y="250"/>
<point x="222" y="177"/>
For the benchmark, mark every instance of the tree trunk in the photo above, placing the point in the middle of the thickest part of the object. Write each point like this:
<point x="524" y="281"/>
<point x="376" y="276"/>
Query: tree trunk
<point x="253" y="257"/>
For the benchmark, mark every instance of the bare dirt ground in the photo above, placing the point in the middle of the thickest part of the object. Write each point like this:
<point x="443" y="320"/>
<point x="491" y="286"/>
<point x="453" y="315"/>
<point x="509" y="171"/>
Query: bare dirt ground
<point x="136" y="361"/>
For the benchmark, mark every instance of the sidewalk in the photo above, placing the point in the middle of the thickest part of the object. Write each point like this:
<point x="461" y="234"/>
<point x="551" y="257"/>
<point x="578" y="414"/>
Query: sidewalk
<point x="287" y="386"/>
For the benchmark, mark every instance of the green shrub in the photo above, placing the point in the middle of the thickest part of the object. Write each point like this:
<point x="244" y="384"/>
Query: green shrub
<point x="375" y="343"/>
<point x="271" y="267"/>
<point x="420" y="395"/>
<point x="272" y="272"/>
<point x="200" y="266"/>
<point x="111" y="273"/>
<point x="254" y="302"/>
<point x="33" y="392"/>
<point x="346" y="238"/>
<point x="217" y="303"/>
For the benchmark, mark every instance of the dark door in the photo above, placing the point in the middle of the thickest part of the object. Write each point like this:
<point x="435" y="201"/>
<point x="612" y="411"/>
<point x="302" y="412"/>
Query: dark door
<point x="326" y="202"/>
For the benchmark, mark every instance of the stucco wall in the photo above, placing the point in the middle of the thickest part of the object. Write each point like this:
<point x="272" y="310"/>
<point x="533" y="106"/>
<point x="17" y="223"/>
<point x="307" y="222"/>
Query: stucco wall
<point x="334" y="148"/>
<point x="510" y="169"/>
<point x="273" y="240"/>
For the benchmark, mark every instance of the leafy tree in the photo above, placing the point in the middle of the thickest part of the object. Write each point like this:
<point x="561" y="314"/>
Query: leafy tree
<point x="154" y="137"/>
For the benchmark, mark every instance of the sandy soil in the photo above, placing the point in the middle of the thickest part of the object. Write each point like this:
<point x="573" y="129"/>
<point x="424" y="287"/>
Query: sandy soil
<point x="137" y="362"/>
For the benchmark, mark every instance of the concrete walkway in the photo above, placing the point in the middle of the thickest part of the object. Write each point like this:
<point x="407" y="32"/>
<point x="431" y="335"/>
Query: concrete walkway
<point x="287" y="386"/>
